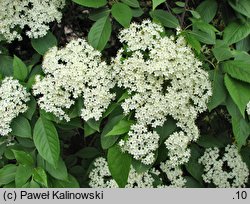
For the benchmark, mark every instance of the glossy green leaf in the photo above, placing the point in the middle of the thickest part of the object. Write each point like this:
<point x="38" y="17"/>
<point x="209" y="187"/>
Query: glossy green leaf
<point x="23" y="157"/>
<point x="7" y="174"/>
<point x="241" y="6"/>
<point x="107" y="142"/>
<point x="207" y="10"/>
<point x="91" y="3"/>
<point x="241" y="130"/>
<point x="132" y="3"/>
<point x="46" y="140"/>
<point x="87" y="153"/>
<point x="43" y="44"/>
<point x="157" y="3"/>
<point x="40" y="176"/>
<point x="204" y="37"/>
<point x="165" y="18"/>
<point x="235" y="32"/>
<point x="6" y="65"/>
<point x="239" y="91"/>
<point x="222" y="53"/>
<point x="99" y="13"/>
<point x="99" y="33"/>
<point x="60" y="172"/>
<point x="20" y="70"/>
<point x="219" y="90"/>
<point x="21" y="127"/>
<point x="31" y="108"/>
<point x="193" y="166"/>
<point x="119" y="165"/>
<point x="167" y="129"/>
<point x="23" y="173"/>
<point x="122" y="13"/>
<point x="120" y="128"/>
<point x="70" y="183"/>
<point x="237" y="69"/>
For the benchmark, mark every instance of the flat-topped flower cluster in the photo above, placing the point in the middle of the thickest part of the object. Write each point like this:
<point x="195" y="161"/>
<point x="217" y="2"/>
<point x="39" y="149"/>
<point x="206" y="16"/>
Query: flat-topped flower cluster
<point x="13" y="98"/>
<point x="73" y="72"/>
<point x="100" y="177"/>
<point x="165" y="79"/>
<point x="33" y="15"/>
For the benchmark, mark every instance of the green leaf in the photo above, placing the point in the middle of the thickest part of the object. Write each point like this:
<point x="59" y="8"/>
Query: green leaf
<point x="120" y="128"/>
<point x="204" y="37"/>
<point x="99" y="33"/>
<point x="107" y="142"/>
<point x="239" y="91"/>
<point x="191" y="40"/>
<point x="87" y="153"/>
<point x="23" y="173"/>
<point x="21" y="127"/>
<point x="207" y="10"/>
<point x="6" y="65"/>
<point x="180" y="4"/>
<point x="23" y="157"/>
<point x="244" y="44"/>
<point x="219" y="90"/>
<point x="7" y="174"/>
<point x="192" y="183"/>
<point x="209" y="141"/>
<point x="88" y="130"/>
<point x="165" y="18"/>
<point x="71" y="183"/>
<point x="222" y="53"/>
<point x="195" y="14"/>
<point x="31" y="108"/>
<point x="241" y="6"/>
<point x="140" y="167"/>
<point x="20" y="69"/>
<point x="40" y="176"/>
<point x="46" y="140"/>
<point x="237" y="69"/>
<point x="137" y="12"/>
<point x="193" y="166"/>
<point x="43" y="44"/>
<point x="157" y="3"/>
<point x="132" y="3"/>
<point x="241" y="130"/>
<point x="95" y="125"/>
<point x="119" y="165"/>
<point x="91" y="3"/>
<point x="99" y="13"/>
<point x="60" y="172"/>
<point x="34" y="184"/>
<point x="235" y="32"/>
<point x="122" y="13"/>
<point x="167" y="129"/>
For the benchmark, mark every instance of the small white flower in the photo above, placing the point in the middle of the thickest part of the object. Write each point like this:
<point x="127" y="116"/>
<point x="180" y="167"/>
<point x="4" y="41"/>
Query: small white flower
<point x="75" y="71"/>
<point x="33" y="14"/>
<point x="13" y="98"/>
<point x="100" y="177"/>
<point x="226" y="172"/>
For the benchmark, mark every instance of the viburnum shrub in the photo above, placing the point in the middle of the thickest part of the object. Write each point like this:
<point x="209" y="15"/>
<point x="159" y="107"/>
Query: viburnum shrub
<point x="128" y="93"/>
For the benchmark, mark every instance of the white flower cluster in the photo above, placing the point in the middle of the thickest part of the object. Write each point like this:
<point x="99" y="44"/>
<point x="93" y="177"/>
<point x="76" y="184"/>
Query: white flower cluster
<point x="141" y="143"/>
<point x="72" y="72"/>
<point x="13" y="97"/>
<point x="228" y="171"/>
<point x="35" y="15"/>
<point x="165" y="79"/>
<point x="100" y="177"/>
<point x="174" y="175"/>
